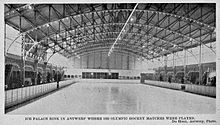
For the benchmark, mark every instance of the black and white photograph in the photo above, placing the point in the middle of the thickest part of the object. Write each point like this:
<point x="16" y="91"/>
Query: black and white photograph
<point x="127" y="61"/>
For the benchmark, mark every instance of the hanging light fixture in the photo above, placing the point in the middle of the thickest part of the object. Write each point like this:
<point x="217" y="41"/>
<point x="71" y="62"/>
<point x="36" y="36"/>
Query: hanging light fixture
<point x="30" y="7"/>
<point x="47" y="25"/>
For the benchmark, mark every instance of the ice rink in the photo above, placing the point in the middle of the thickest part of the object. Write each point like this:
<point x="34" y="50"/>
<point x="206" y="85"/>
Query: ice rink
<point x="118" y="97"/>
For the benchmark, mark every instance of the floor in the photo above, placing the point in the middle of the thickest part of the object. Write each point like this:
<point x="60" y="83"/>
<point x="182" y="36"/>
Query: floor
<point x="118" y="97"/>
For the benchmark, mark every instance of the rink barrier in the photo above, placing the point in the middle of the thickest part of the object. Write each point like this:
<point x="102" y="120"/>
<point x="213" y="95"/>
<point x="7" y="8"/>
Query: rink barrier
<point x="202" y="90"/>
<point x="17" y="96"/>
<point x="197" y="89"/>
<point x="164" y="84"/>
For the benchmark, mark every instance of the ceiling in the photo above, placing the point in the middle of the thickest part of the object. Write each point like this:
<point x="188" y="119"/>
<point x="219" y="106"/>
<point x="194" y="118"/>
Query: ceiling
<point x="154" y="29"/>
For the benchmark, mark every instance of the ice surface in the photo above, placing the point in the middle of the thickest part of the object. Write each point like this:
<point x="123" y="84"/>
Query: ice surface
<point x="118" y="97"/>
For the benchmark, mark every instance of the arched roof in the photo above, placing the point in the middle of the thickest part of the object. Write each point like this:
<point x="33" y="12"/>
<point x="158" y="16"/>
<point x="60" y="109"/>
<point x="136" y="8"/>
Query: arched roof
<point x="156" y="29"/>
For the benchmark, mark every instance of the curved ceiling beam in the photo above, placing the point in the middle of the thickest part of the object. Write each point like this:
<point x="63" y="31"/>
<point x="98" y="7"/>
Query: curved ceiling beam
<point x="138" y="34"/>
<point x="186" y="19"/>
<point x="158" y="47"/>
<point x="105" y="50"/>
<point x="133" y="45"/>
<point x="139" y="25"/>
<point x="108" y="44"/>
<point x="179" y="34"/>
<point x="148" y="11"/>
<point x="133" y="33"/>
<point x="126" y="49"/>
<point x="142" y="50"/>
<point x="95" y="42"/>
<point x="153" y="54"/>
<point x="158" y="12"/>
<point x="158" y="39"/>
<point x="130" y="24"/>
<point x="98" y="45"/>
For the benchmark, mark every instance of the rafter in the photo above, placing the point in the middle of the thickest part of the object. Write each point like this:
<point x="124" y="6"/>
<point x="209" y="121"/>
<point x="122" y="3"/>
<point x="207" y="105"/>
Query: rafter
<point x="169" y="27"/>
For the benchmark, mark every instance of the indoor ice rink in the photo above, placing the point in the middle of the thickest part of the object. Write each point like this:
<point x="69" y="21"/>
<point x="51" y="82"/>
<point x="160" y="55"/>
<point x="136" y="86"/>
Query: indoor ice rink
<point x="110" y="58"/>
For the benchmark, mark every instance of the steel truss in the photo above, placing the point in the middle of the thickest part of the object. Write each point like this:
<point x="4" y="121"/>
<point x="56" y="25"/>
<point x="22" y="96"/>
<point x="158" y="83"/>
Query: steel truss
<point x="71" y="29"/>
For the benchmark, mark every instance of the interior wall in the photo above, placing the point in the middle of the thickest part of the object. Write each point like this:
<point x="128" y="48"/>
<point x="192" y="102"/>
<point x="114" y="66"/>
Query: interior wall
<point x="121" y="72"/>
<point x="126" y="64"/>
<point x="100" y="60"/>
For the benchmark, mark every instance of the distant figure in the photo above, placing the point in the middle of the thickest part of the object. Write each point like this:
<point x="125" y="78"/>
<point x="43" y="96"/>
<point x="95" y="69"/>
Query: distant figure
<point x="59" y="76"/>
<point x="161" y="77"/>
<point x="48" y="77"/>
<point x="57" y="79"/>
<point x="169" y="79"/>
<point x="39" y="78"/>
<point x="204" y="78"/>
<point x="213" y="81"/>
<point x="182" y="80"/>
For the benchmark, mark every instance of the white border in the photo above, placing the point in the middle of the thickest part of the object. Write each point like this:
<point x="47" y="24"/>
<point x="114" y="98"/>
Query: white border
<point x="19" y="119"/>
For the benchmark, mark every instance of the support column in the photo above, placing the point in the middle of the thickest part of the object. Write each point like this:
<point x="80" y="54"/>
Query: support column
<point x="36" y="63"/>
<point x="5" y="40"/>
<point x="200" y="65"/>
<point x="200" y="58"/>
<point x="165" y="66"/>
<point x="184" y="65"/>
<point x="94" y="61"/>
<point x="121" y="61"/>
<point x="108" y="62"/>
<point x="134" y="61"/>
<point x="80" y="59"/>
<point x="23" y="60"/>
<point x="45" y="72"/>
<point x="22" y="54"/>
<point x="128" y="62"/>
<point x="87" y="61"/>
<point x="115" y="62"/>
<point x="174" y="67"/>
<point x="200" y="51"/>
<point x="100" y="60"/>
<point x="35" y="71"/>
<point x="57" y="75"/>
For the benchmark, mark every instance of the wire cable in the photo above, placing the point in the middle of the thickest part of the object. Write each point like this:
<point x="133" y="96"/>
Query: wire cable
<point x="112" y="47"/>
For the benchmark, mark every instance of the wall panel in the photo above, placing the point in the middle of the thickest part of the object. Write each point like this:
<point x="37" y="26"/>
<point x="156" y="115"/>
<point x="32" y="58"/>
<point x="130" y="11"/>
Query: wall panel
<point x="100" y="60"/>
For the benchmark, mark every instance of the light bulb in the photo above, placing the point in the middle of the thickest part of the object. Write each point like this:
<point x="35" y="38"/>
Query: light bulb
<point x="30" y="7"/>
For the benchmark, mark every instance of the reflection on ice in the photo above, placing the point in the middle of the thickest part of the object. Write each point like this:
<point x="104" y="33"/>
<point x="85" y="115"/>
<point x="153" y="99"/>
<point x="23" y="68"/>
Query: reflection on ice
<point x="121" y="101"/>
